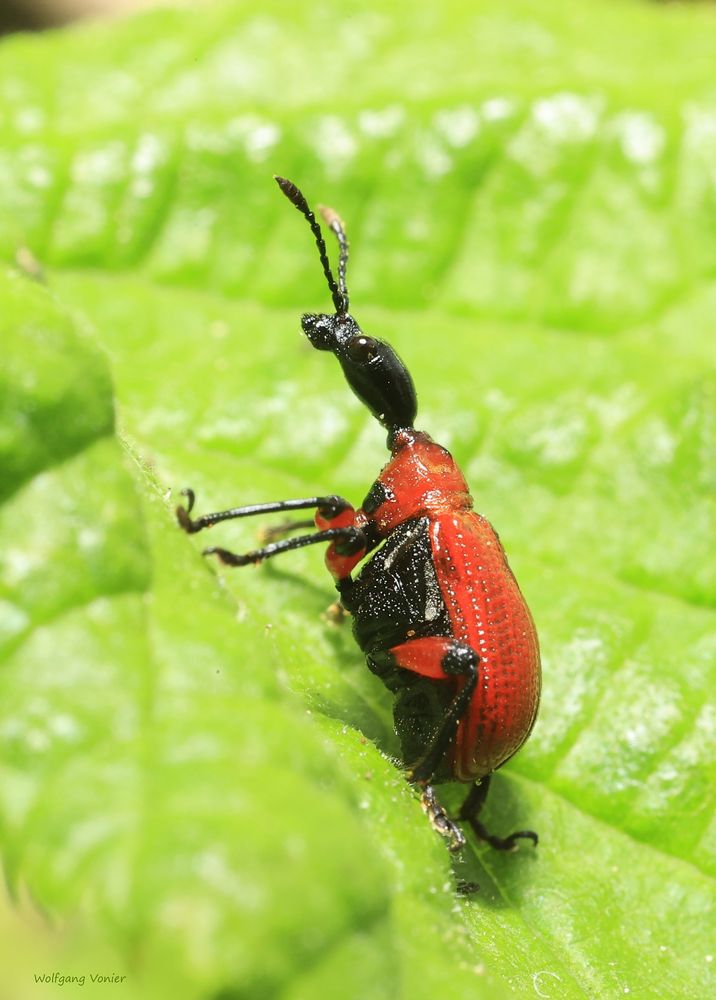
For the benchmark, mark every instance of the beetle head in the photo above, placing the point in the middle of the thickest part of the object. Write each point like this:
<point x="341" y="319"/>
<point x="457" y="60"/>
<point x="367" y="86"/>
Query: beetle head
<point x="372" y="369"/>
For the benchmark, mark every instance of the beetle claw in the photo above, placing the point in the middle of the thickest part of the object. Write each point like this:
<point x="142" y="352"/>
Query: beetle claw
<point x="183" y="514"/>
<point x="190" y="495"/>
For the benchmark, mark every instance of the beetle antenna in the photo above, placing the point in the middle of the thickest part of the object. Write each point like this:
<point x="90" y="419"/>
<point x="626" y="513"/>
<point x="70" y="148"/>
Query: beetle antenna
<point x="340" y="300"/>
<point x="335" y="223"/>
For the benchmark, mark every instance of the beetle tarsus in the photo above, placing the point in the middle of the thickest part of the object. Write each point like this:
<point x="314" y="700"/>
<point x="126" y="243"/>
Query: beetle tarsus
<point x="440" y="821"/>
<point x="231" y="558"/>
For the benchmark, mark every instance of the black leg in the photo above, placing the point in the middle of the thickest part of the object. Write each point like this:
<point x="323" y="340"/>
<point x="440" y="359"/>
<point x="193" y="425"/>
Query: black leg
<point x="331" y="505"/>
<point x="470" y="810"/>
<point x="460" y="660"/>
<point x="350" y="538"/>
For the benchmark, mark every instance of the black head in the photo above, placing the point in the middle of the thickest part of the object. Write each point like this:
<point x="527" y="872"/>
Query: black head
<point x="372" y="369"/>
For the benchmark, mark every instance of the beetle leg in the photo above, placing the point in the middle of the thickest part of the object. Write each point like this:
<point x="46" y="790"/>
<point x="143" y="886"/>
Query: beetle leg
<point x="470" y="810"/>
<point x="341" y="561"/>
<point x="333" y="504"/>
<point x="441" y="658"/>
<point x="347" y="540"/>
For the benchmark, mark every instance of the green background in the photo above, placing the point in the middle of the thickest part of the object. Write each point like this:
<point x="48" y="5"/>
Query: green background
<point x="197" y="783"/>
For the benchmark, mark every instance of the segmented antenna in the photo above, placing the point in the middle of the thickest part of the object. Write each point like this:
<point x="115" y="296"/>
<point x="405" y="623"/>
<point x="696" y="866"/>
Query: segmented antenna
<point x="340" y="298"/>
<point x="334" y="222"/>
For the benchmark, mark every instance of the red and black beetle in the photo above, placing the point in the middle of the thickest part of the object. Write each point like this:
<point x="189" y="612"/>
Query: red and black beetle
<point x="435" y="608"/>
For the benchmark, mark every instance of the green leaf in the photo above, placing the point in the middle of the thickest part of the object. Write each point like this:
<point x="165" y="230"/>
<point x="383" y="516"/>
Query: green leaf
<point x="198" y="781"/>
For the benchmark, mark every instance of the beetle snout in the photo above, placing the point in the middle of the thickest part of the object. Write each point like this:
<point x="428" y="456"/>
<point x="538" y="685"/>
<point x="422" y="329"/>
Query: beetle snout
<point x="320" y="330"/>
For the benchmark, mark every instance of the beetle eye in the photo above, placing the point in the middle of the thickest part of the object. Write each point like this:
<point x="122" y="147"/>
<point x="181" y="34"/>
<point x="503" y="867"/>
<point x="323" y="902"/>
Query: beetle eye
<point x="361" y="348"/>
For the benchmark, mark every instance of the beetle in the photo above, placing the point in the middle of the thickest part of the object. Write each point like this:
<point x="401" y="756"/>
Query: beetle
<point x="435" y="607"/>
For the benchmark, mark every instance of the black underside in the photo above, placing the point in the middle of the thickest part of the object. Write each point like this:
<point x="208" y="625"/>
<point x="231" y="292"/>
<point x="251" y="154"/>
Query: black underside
<point x="396" y="598"/>
<point x="396" y="595"/>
